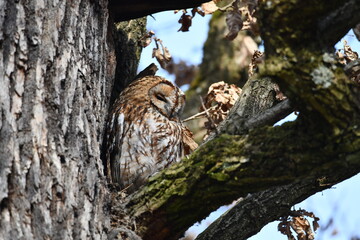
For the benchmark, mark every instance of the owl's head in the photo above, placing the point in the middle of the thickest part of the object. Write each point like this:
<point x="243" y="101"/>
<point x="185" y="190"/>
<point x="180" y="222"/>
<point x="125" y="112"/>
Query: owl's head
<point x="168" y="99"/>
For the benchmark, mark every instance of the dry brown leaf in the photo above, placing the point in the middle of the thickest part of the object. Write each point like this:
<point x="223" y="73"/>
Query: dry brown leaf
<point x="218" y="102"/>
<point x="252" y="5"/>
<point x="302" y="228"/>
<point x="234" y="23"/>
<point x="198" y="11"/>
<point x="316" y="225"/>
<point x="162" y="55"/>
<point x="315" y="221"/>
<point x="334" y="232"/>
<point x="209" y="7"/>
<point x="248" y="8"/>
<point x="257" y="58"/>
<point x="146" y="39"/>
<point x="299" y="224"/>
<point x="284" y="228"/>
<point x="185" y="21"/>
<point x="189" y="144"/>
<point x="240" y="16"/>
<point x="347" y="55"/>
<point x="280" y="96"/>
<point x="341" y="57"/>
<point x="350" y="55"/>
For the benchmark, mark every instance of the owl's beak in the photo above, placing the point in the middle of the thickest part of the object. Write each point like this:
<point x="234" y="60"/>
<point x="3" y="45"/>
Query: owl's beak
<point x="175" y="117"/>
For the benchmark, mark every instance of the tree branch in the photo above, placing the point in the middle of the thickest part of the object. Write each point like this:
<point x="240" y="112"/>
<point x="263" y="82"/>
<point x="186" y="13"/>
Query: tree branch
<point x="251" y="214"/>
<point x="327" y="149"/>
<point x="313" y="86"/>
<point x="125" y="10"/>
<point x="190" y="190"/>
<point x="258" y="209"/>
<point x="331" y="27"/>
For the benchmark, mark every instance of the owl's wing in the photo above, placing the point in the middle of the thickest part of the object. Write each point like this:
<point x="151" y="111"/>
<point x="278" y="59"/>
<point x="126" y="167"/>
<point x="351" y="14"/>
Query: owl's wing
<point x="114" y="137"/>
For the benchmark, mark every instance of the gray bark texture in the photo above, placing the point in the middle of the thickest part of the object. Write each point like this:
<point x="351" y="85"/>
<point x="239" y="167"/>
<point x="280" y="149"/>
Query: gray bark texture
<point x="55" y="76"/>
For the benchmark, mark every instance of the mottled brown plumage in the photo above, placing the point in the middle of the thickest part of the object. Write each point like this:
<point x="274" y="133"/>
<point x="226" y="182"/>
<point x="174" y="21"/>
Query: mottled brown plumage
<point x="144" y="132"/>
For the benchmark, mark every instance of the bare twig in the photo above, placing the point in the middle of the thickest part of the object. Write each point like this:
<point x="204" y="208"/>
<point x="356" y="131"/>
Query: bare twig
<point x="208" y="115"/>
<point x="199" y="115"/>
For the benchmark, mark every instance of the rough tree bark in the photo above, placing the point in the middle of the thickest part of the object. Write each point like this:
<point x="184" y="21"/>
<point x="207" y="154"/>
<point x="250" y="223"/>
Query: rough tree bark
<point x="57" y="68"/>
<point x="56" y="74"/>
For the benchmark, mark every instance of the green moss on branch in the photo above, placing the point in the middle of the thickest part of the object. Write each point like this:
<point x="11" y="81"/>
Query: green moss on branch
<point x="230" y="167"/>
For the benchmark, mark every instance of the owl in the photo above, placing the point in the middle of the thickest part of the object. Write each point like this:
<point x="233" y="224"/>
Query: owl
<point x="144" y="132"/>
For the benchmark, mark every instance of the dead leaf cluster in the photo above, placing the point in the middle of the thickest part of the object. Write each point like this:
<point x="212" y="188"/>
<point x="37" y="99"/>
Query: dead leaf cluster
<point x="350" y="58"/>
<point x="183" y="72"/>
<point x="346" y="55"/>
<point x="234" y="22"/>
<point x="299" y="224"/>
<point x="162" y="54"/>
<point x="257" y="58"/>
<point x="218" y="102"/>
<point x="146" y="39"/>
<point x="186" y="19"/>
<point x="240" y="16"/>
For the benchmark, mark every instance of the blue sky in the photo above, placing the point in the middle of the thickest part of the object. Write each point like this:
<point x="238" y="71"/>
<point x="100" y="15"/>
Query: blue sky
<point x="182" y="45"/>
<point x="340" y="202"/>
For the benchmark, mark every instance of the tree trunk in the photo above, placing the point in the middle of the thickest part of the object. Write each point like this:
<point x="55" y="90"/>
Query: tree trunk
<point x="56" y="71"/>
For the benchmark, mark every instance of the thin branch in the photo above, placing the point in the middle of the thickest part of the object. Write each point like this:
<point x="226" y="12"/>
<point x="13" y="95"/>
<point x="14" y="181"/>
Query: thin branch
<point x="199" y="115"/>
<point x="248" y="216"/>
<point x="208" y="115"/>
<point x="332" y="27"/>
<point x="232" y="167"/>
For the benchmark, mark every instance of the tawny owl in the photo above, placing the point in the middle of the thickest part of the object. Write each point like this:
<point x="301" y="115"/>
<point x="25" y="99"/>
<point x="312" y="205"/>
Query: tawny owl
<point x="145" y="133"/>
